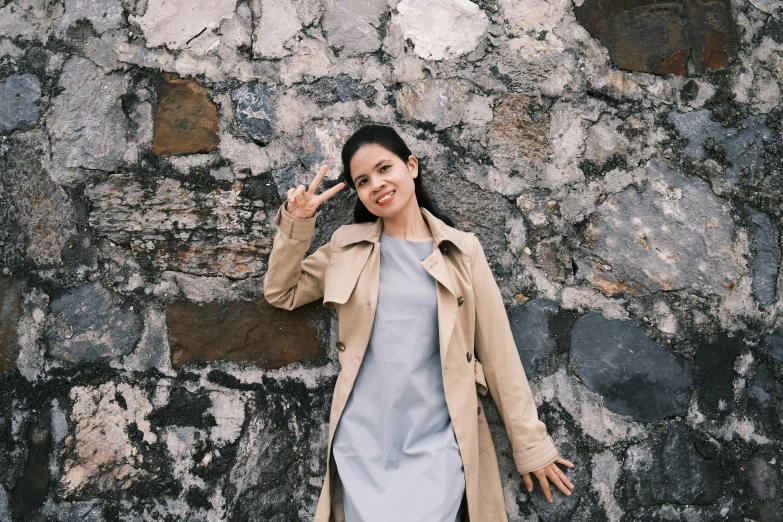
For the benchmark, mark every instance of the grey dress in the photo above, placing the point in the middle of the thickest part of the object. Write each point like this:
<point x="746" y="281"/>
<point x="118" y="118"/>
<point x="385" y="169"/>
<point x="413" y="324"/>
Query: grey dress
<point x="394" y="446"/>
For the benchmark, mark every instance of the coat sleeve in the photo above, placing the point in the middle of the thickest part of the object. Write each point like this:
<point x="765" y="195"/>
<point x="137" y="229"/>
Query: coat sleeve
<point x="290" y="281"/>
<point x="533" y="448"/>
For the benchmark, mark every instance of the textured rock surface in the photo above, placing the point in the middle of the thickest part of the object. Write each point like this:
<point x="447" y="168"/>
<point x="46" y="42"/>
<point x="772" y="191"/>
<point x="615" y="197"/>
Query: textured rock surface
<point x="18" y="94"/>
<point x="674" y="235"/>
<point x="636" y="376"/>
<point x="620" y="163"/>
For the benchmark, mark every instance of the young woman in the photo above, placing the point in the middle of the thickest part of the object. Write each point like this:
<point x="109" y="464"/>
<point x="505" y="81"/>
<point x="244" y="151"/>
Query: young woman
<point x="422" y="330"/>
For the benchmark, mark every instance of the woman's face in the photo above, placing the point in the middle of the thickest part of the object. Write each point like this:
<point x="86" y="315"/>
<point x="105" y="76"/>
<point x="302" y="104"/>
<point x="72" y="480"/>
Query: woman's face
<point x="383" y="182"/>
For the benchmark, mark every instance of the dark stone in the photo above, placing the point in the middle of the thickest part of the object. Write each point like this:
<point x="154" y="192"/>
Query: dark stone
<point x="530" y="327"/>
<point x="767" y="485"/>
<point x="241" y="331"/>
<point x="185" y="408"/>
<point x="671" y="472"/>
<point x="31" y="490"/>
<point x="18" y="97"/>
<point x="255" y="110"/>
<point x="714" y="369"/>
<point x="765" y="397"/>
<point x="186" y="120"/>
<point x="743" y="149"/>
<point x="91" y="322"/>
<point x="689" y="91"/>
<point x="10" y="300"/>
<point x="660" y="36"/>
<point x="636" y="376"/>
<point x="766" y="255"/>
<point x="774" y="344"/>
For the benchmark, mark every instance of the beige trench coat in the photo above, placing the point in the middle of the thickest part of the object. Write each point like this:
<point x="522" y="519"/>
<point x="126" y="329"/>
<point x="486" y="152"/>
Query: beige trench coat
<point x="476" y="345"/>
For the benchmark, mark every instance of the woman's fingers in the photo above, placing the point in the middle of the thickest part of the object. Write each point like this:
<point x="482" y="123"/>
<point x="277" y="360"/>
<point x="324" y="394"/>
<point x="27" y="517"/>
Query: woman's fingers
<point x="329" y="193"/>
<point x="317" y="179"/>
<point x="559" y="483"/>
<point x="563" y="477"/>
<point x="541" y="476"/>
<point x="528" y="482"/>
<point x="561" y="460"/>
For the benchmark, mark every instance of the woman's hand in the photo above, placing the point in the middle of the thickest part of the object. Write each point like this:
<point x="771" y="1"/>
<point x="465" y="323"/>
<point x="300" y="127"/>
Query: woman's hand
<point x="303" y="203"/>
<point x="553" y="473"/>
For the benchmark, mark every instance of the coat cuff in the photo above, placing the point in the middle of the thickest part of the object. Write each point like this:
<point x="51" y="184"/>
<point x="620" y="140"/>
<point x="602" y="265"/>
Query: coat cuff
<point x="540" y="455"/>
<point x="296" y="228"/>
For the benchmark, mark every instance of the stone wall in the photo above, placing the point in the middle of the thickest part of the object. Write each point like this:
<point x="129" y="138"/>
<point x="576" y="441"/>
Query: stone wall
<point x="620" y="161"/>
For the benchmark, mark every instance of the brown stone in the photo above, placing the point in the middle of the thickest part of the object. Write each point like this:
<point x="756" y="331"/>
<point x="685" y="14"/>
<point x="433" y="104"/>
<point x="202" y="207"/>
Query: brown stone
<point x="513" y="128"/>
<point x="257" y="332"/>
<point x="10" y="301"/>
<point x="660" y="36"/>
<point x="186" y="121"/>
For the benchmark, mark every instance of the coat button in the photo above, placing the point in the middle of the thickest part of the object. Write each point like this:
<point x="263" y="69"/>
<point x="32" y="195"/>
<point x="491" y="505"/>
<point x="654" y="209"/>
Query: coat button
<point x="460" y="300"/>
<point x="479" y="411"/>
<point x="444" y="250"/>
<point x="469" y="356"/>
<point x="340" y="346"/>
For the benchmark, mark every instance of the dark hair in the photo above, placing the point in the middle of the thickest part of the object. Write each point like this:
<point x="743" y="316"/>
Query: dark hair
<point x="387" y="138"/>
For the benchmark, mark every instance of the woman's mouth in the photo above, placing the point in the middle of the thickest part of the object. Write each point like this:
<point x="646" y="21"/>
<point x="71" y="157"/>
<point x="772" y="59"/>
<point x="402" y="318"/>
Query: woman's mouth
<point x="385" y="200"/>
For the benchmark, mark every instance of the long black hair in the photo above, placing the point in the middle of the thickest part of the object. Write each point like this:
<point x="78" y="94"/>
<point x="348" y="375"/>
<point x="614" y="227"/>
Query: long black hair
<point x="387" y="138"/>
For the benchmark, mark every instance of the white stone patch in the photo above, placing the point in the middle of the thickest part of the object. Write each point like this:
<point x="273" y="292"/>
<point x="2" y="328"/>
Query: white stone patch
<point x="441" y="29"/>
<point x="667" y="323"/>
<point x="229" y="412"/>
<point x="100" y="452"/>
<point x="30" y="360"/>
<point x="177" y="24"/>
<point x="742" y="428"/>
<point x="587" y="409"/>
<point x="606" y="471"/>
<point x="588" y="299"/>
<point x="767" y="6"/>
<point x="276" y="23"/>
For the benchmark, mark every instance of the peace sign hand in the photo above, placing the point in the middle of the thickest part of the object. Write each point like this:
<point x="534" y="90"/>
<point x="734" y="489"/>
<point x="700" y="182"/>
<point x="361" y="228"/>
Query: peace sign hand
<point x="303" y="203"/>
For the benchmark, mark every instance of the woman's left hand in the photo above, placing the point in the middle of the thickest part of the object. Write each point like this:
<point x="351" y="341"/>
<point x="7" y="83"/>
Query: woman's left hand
<point x="551" y="473"/>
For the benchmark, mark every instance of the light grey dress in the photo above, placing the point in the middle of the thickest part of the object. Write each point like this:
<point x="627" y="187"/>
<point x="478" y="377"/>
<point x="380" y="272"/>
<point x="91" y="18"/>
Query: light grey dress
<point x="394" y="446"/>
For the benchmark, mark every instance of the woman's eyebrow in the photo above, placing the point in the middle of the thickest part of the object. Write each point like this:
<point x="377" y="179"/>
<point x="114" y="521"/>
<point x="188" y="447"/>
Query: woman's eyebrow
<point x="375" y="167"/>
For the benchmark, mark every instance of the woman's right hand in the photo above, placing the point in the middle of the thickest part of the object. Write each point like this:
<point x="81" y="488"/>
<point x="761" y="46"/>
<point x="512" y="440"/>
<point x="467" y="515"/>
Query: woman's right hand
<point x="303" y="203"/>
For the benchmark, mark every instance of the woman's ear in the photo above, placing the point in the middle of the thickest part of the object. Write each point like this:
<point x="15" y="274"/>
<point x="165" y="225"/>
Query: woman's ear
<point x="413" y="166"/>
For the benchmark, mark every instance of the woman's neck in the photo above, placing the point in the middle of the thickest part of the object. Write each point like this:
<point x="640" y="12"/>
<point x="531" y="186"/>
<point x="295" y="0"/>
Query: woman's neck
<point x="408" y="223"/>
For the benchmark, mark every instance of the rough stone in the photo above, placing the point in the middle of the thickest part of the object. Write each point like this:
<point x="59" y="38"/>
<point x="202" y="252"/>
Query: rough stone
<point x="176" y="228"/>
<point x="99" y="453"/>
<point x="530" y="327"/>
<point x="30" y="491"/>
<point x="743" y="147"/>
<point x="255" y="110"/>
<point x="177" y="23"/>
<point x="10" y="311"/>
<point x="36" y="217"/>
<point x="186" y="120"/>
<point x="635" y="376"/>
<point x="275" y="22"/>
<point x="442" y="103"/>
<point x="87" y="124"/>
<point x="765" y="260"/>
<point x="606" y="471"/>
<point x="351" y="26"/>
<point x="18" y="97"/>
<point x="514" y="133"/>
<point x="244" y="332"/>
<point x="102" y="14"/>
<point x="660" y="36"/>
<point x="91" y="322"/>
<point x="441" y="29"/>
<point x="674" y="472"/>
<point x="328" y="91"/>
<point x="675" y="235"/>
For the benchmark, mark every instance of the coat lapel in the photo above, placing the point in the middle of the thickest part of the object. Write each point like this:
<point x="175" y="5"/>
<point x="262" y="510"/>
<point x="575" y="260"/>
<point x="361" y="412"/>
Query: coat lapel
<point x="435" y="265"/>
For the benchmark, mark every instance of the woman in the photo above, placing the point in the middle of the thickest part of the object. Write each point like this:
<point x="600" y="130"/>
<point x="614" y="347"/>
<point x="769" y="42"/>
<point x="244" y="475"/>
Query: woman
<point x="408" y="439"/>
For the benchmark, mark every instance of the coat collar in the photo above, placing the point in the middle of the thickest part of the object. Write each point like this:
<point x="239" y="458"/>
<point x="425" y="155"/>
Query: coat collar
<point x="441" y="232"/>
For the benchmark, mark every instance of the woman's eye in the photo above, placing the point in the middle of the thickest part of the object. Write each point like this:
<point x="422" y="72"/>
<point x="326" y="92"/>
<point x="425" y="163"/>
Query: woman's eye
<point x="361" y="182"/>
<point x="384" y="168"/>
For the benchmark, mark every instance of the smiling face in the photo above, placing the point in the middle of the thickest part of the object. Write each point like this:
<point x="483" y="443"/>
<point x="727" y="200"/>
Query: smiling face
<point x="383" y="182"/>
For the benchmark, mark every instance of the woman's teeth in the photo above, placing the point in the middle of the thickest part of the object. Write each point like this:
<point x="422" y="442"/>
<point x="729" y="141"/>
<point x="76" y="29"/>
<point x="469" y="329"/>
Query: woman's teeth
<point x="387" y="196"/>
